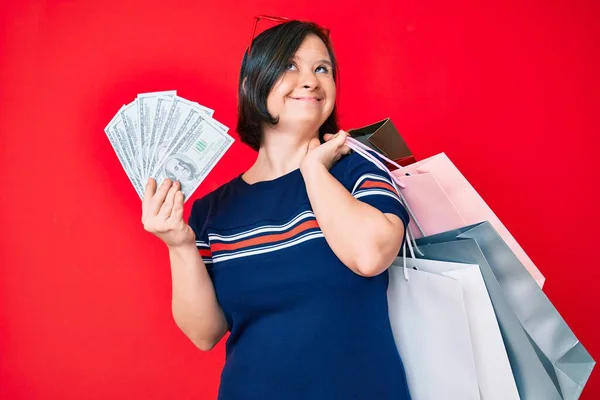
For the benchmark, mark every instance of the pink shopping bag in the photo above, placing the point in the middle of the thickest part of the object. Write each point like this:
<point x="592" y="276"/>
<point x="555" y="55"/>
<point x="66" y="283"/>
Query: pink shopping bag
<point x="442" y="199"/>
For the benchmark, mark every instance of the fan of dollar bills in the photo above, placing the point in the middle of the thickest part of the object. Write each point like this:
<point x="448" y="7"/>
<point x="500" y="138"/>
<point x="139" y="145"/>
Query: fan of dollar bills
<point x="162" y="135"/>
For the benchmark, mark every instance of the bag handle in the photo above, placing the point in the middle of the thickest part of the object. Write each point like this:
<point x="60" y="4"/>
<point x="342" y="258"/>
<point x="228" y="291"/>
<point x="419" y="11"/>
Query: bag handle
<point x="362" y="149"/>
<point x="365" y="151"/>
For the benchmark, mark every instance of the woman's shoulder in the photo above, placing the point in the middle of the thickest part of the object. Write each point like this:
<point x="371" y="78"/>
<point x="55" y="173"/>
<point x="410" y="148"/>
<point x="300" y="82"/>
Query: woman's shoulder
<point x="344" y="169"/>
<point x="203" y="205"/>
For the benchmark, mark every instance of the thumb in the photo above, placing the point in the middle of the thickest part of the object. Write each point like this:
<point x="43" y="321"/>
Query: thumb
<point x="340" y="138"/>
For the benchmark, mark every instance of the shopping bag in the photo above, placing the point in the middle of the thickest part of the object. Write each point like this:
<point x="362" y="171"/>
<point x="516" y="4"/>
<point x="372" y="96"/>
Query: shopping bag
<point x="428" y="312"/>
<point x="441" y="199"/>
<point x="433" y="210"/>
<point x="548" y="361"/>
<point x="454" y="191"/>
<point x="564" y="358"/>
<point x="534" y="381"/>
<point x="431" y="330"/>
<point x="383" y="137"/>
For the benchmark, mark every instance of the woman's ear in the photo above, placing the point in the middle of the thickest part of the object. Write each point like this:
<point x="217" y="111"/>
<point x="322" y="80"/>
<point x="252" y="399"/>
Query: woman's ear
<point x="244" y="84"/>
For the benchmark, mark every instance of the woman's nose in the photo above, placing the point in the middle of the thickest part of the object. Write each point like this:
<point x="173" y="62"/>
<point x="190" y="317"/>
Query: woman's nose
<point x="309" y="80"/>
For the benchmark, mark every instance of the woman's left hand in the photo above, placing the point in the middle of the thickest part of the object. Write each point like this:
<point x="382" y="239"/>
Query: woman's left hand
<point x="328" y="153"/>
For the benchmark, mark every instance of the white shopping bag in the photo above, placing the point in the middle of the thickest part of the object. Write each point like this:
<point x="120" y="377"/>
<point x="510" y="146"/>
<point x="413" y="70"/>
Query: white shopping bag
<point x="446" y="332"/>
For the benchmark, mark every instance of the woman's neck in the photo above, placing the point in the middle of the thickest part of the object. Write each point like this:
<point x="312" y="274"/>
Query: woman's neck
<point x="279" y="154"/>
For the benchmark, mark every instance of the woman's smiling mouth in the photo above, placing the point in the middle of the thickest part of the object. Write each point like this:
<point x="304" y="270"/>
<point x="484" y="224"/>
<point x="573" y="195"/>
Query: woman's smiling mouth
<point x="306" y="98"/>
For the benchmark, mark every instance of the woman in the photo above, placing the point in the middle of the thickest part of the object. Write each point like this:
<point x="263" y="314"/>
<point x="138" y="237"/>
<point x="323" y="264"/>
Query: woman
<point x="291" y="256"/>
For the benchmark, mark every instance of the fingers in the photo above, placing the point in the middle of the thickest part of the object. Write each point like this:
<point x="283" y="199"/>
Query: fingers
<point x="342" y="137"/>
<point x="150" y="188"/>
<point x="159" y="197"/>
<point x="332" y="150"/>
<point x="345" y="150"/>
<point x="149" y="191"/>
<point x="167" y="206"/>
<point x="339" y="142"/>
<point x="339" y="137"/>
<point x="177" y="212"/>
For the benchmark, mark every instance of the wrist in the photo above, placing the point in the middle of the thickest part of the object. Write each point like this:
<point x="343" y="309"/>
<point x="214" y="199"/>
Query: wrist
<point x="183" y="249"/>
<point x="310" y="169"/>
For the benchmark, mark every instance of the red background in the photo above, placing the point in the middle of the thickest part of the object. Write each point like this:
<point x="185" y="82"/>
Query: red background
<point x="509" y="92"/>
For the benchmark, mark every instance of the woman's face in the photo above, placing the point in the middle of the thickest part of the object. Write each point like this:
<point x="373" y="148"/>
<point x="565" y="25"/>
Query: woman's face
<point x="305" y="92"/>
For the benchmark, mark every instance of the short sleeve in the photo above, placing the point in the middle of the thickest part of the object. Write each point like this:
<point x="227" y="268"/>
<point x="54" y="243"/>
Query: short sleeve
<point x="369" y="183"/>
<point x="198" y="221"/>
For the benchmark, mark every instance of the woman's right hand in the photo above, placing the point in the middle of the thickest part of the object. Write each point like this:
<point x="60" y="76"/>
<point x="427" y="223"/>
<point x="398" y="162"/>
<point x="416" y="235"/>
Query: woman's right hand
<point x="162" y="214"/>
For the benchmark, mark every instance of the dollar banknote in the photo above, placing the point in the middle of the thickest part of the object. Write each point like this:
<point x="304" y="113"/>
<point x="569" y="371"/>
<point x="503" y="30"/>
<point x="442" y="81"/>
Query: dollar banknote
<point x="161" y="135"/>
<point x="193" y="155"/>
<point x="181" y="115"/>
<point x="129" y="115"/>
<point x="115" y="131"/>
<point x="147" y="110"/>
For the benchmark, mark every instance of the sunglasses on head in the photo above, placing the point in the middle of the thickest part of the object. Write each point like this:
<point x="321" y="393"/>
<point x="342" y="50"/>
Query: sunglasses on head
<point x="278" y="20"/>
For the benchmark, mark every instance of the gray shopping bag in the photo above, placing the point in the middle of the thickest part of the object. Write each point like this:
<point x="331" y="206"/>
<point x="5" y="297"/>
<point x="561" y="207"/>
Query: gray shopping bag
<point x="564" y="359"/>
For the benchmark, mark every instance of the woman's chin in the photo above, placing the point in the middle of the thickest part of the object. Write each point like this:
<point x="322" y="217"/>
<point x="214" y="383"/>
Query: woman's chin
<point x="304" y="119"/>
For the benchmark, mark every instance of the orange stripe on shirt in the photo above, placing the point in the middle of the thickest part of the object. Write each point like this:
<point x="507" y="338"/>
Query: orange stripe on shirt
<point x="205" y="252"/>
<point x="266" y="239"/>
<point x="377" y="184"/>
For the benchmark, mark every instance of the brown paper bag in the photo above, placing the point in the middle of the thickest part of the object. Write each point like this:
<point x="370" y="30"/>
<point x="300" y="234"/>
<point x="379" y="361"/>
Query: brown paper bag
<point x="383" y="137"/>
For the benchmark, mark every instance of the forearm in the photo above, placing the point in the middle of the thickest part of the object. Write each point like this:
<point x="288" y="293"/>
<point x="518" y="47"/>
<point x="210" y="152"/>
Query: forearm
<point x="363" y="238"/>
<point x="196" y="310"/>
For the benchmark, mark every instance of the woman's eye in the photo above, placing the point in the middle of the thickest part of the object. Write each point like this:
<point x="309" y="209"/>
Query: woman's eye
<point x="324" y="68"/>
<point x="290" y="66"/>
